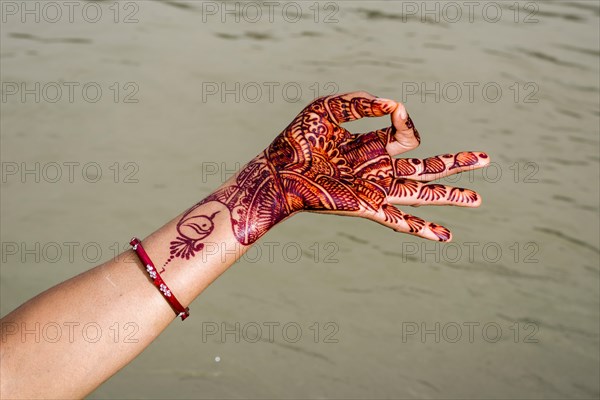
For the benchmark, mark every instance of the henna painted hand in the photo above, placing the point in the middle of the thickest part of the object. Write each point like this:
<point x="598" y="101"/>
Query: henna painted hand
<point x="316" y="165"/>
<point x="322" y="167"/>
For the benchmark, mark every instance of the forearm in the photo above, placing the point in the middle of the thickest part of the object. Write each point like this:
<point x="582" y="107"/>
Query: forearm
<point x="192" y="250"/>
<point x="313" y="165"/>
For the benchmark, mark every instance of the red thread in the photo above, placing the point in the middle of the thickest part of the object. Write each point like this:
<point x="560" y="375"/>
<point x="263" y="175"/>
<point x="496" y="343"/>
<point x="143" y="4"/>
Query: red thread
<point x="157" y="280"/>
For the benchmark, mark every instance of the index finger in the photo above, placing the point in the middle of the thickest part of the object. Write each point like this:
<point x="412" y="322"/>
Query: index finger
<point x="352" y="106"/>
<point x="356" y="105"/>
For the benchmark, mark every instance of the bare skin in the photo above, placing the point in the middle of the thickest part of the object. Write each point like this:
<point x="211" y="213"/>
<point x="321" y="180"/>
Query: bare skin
<point x="314" y="165"/>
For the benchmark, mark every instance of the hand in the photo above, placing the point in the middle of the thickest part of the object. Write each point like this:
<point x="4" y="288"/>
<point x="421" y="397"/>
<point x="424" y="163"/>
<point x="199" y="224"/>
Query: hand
<point x="322" y="167"/>
<point x="316" y="165"/>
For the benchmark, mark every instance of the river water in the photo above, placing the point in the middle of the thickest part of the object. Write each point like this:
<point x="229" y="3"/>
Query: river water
<point x="117" y="116"/>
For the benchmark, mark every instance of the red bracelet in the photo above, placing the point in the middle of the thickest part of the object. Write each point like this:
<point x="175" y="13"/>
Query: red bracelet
<point x="157" y="280"/>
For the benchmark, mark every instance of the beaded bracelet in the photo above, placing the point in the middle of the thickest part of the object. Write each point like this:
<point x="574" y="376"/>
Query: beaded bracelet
<point x="157" y="280"/>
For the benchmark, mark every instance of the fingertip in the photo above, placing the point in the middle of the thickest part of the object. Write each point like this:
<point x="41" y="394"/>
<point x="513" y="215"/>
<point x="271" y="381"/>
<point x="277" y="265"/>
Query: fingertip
<point x="399" y="117"/>
<point x="448" y="238"/>
<point x="442" y="233"/>
<point x="476" y="202"/>
<point x="484" y="157"/>
<point x="403" y="112"/>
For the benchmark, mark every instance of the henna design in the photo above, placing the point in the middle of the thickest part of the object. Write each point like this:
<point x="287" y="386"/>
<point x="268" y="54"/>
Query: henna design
<point x="255" y="204"/>
<point x="432" y="192"/>
<point x="433" y="165"/>
<point x="404" y="167"/>
<point x="415" y="224"/>
<point x="316" y="165"/>
<point x="404" y="188"/>
<point x="392" y="214"/>
<point x="411" y="125"/>
<point x="192" y="230"/>
<point x="464" y="159"/>
<point x="462" y="195"/>
<point x="442" y="233"/>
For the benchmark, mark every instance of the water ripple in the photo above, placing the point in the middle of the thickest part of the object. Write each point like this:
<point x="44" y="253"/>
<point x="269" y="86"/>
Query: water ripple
<point x="549" y="58"/>
<point x="17" y="35"/>
<point x="567" y="238"/>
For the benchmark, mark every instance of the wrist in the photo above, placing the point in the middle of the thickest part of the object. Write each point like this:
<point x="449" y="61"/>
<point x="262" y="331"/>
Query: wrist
<point x="254" y="198"/>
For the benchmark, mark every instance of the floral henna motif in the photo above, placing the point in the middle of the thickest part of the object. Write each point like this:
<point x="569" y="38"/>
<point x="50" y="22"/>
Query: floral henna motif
<point x="316" y="165"/>
<point x="404" y="188"/>
<point x="406" y="167"/>
<point x="433" y="165"/>
<point x="442" y="233"/>
<point x="462" y="195"/>
<point x="191" y="231"/>
<point x="392" y="214"/>
<point x="432" y="192"/>
<point x="411" y="125"/>
<point x="465" y="159"/>
<point x="255" y="204"/>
